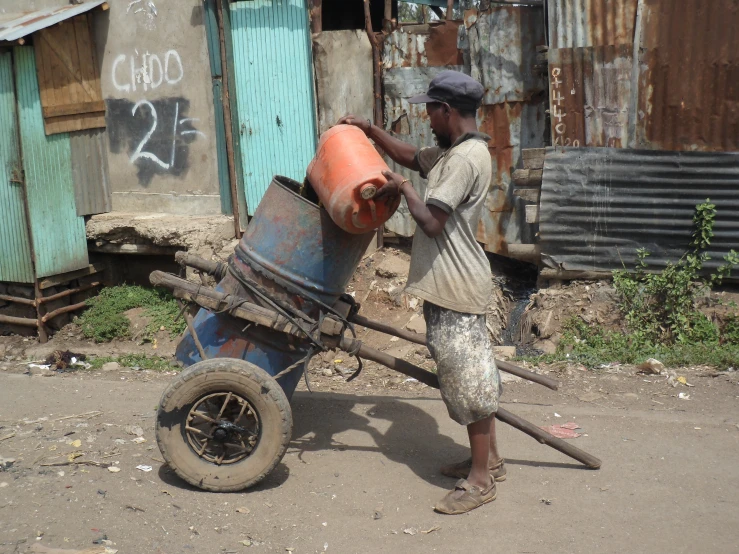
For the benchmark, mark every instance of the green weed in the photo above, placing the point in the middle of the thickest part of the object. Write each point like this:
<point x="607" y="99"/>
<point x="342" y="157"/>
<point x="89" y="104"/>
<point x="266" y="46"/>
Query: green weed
<point x="104" y="320"/>
<point x="141" y="361"/>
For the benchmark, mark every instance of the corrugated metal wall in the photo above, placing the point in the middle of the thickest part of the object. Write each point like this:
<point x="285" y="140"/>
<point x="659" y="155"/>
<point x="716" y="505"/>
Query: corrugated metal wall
<point x="15" y="250"/>
<point x="274" y="83"/>
<point x="683" y="92"/>
<point x="89" y="150"/>
<point x="598" y="205"/>
<point x="498" y="48"/>
<point x="58" y="233"/>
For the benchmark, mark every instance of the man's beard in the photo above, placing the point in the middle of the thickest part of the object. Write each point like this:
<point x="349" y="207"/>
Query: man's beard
<point x="443" y="142"/>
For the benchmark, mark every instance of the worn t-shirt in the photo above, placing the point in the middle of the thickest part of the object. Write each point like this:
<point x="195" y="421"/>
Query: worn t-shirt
<point x="451" y="270"/>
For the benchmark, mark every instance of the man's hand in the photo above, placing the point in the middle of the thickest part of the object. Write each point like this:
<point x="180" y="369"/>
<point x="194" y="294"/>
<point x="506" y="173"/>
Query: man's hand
<point x="393" y="187"/>
<point x="363" y="124"/>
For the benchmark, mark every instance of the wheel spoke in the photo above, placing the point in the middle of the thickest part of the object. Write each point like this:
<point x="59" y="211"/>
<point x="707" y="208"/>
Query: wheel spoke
<point x="223" y="408"/>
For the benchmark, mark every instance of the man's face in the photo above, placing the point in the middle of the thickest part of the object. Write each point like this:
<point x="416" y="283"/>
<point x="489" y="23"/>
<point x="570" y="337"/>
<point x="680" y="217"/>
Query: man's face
<point x="439" y="118"/>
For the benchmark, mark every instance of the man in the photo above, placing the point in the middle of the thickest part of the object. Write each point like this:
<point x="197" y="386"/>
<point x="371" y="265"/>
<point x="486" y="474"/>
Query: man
<point x="450" y="272"/>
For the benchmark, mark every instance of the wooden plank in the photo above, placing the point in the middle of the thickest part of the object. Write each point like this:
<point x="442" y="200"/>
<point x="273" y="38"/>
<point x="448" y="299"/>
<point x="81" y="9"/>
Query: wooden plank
<point x="529" y="195"/>
<point x="56" y="44"/>
<point x="57" y="280"/>
<point x="532" y="213"/>
<point x="73" y="109"/>
<point x="527" y="177"/>
<point x="571" y="275"/>
<point x="25" y="322"/>
<point x="69" y="123"/>
<point x="76" y="93"/>
<point x="530" y="253"/>
<point x="533" y="158"/>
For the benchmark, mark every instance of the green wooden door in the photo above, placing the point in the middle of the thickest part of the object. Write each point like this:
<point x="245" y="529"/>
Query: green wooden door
<point x="15" y="250"/>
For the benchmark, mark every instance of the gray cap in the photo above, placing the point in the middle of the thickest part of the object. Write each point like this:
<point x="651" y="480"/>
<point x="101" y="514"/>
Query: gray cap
<point x="454" y="88"/>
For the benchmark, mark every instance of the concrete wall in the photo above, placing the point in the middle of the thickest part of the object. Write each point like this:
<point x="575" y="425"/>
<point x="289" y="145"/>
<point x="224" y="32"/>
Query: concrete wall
<point x="157" y="87"/>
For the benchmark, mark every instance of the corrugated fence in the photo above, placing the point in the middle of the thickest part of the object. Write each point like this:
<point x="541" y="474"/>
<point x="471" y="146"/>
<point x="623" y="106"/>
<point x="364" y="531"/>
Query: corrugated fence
<point x="598" y="205"/>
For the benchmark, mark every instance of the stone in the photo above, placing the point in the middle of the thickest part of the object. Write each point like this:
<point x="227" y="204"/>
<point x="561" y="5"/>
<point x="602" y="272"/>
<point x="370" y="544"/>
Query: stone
<point x="417" y="325"/>
<point x="393" y="266"/>
<point x="111" y="366"/>
<point x="652" y="366"/>
<point x="327" y="372"/>
<point x="547" y="346"/>
<point x="504" y="351"/>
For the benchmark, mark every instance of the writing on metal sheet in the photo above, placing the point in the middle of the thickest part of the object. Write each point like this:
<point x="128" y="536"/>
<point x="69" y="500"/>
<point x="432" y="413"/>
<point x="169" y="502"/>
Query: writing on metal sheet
<point x="558" y="114"/>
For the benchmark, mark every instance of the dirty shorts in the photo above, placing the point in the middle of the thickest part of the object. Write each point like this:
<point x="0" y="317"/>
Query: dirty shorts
<point x="461" y="348"/>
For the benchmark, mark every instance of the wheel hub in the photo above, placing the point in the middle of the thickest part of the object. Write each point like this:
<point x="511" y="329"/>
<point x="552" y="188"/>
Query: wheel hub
<point x="222" y="428"/>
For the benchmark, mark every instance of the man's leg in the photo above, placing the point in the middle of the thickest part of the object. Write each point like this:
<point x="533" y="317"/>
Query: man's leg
<point x="481" y="444"/>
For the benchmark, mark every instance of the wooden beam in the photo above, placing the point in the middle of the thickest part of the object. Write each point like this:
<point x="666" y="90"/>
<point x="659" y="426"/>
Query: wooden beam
<point x="75" y="109"/>
<point x="140" y="249"/>
<point x="530" y="253"/>
<point x="63" y="310"/>
<point x="571" y="275"/>
<point x="533" y="158"/>
<point x="316" y="16"/>
<point x="529" y="195"/>
<point x="71" y="276"/>
<point x="18" y="300"/>
<point x="22" y="321"/>
<point x="450" y="10"/>
<point x="68" y="292"/>
<point x="527" y="177"/>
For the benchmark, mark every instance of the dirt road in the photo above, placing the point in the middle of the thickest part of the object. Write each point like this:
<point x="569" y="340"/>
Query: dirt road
<point x="361" y="473"/>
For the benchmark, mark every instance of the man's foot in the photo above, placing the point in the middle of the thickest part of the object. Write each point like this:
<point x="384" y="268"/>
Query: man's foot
<point x="465" y="498"/>
<point x="461" y="470"/>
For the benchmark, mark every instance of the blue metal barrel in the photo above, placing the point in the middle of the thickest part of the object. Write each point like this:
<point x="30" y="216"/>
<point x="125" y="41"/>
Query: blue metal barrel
<point x="291" y="244"/>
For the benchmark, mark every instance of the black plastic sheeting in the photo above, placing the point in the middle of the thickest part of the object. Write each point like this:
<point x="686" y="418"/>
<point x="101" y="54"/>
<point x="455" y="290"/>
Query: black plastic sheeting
<point x="599" y="205"/>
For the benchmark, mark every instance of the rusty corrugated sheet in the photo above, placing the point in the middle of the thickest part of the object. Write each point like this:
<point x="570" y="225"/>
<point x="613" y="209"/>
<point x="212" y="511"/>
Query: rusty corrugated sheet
<point x="499" y="47"/>
<point x="599" y="205"/>
<point x="502" y="51"/>
<point x="682" y="95"/>
<point x="412" y="56"/>
<point x="590" y="94"/>
<point x="584" y="23"/>
<point x="22" y="23"/>
<point x="92" y="193"/>
<point x="689" y="91"/>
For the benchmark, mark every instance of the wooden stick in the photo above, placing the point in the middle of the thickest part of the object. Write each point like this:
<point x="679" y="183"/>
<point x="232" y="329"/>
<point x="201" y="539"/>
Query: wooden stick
<point x="94" y="413"/>
<point x="18" y="300"/>
<point x="63" y="310"/>
<point x="68" y="292"/>
<point x="6" y="437"/>
<point x="193" y="333"/>
<point x="450" y="10"/>
<point x="430" y="379"/>
<point x="23" y="321"/>
<point x="376" y="65"/>
<point x="419" y="338"/>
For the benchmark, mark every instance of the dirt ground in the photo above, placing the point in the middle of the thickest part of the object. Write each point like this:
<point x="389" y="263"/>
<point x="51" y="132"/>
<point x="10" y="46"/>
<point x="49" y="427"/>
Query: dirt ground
<point x="361" y="473"/>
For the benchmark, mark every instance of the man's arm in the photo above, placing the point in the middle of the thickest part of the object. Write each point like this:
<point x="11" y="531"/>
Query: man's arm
<point x="401" y="152"/>
<point x="431" y="219"/>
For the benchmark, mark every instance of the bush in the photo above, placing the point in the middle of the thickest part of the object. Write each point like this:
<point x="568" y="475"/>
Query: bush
<point x="104" y="320"/>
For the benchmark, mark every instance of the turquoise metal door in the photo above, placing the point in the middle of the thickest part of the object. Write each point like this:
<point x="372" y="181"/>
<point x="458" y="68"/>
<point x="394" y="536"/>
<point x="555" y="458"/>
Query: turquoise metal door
<point x="57" y="232"/>
<point x="15" y="249"/>
<point x="274" y="91"/>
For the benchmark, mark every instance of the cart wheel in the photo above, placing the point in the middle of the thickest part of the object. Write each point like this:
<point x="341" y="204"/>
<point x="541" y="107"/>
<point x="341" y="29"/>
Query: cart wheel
<point x="223" y="424"/>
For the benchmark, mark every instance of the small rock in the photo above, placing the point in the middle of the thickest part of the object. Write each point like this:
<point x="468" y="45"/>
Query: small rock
<point x="417" y="325"/>
<point x="410" y="531"/>
<point x="6" y="463"/>
<point x="505" y="351"/>
<point x="393" y="266"/>
<point x="630" y="396"/>
<point x="111" y="366"/>
<point x="327" y="372"/>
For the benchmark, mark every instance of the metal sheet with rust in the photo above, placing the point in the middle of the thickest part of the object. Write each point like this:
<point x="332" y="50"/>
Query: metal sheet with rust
<point x="590" y="94"/>
<point x="689" y="91"/>
<point x="584" y="23"/>
<point x="499" y="46"/>
<point x="599" y="205"/>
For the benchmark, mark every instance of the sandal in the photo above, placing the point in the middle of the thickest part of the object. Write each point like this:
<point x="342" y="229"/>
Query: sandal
<point x="462" y="469"/>
<point x="465" y="498"/>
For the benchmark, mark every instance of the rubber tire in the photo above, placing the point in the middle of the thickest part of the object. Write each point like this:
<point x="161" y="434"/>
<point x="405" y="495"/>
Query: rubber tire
<point x="224" y="375"/>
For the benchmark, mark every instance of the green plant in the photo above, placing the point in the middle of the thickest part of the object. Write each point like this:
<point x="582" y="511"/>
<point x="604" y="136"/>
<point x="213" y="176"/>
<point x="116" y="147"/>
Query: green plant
<point x="141" y="361"/>
<point x="730" y="332"/>
<point x="104" y="320"/>
<point x="660" y="307"/>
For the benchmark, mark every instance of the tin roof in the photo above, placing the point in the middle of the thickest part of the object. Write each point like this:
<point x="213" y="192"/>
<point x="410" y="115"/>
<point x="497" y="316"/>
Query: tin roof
<point x="16" y="25"/>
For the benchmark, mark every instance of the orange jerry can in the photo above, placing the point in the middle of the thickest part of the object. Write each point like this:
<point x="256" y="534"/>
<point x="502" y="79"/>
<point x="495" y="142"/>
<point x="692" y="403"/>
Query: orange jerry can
<point x="346" y="173"/>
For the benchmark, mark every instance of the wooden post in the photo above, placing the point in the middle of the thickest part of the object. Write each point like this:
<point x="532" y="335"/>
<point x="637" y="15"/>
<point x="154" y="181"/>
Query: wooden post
<point x="316" y="16"/>
<point x="228" y="122"/>
<point x="450" y="10"/>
